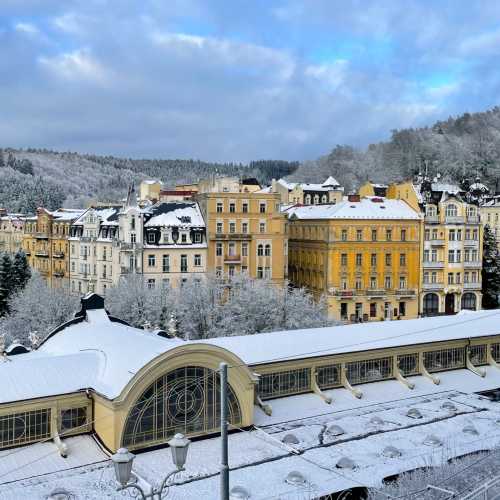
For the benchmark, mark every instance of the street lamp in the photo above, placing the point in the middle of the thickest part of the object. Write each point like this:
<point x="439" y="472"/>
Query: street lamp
<point x="123" y="460"/>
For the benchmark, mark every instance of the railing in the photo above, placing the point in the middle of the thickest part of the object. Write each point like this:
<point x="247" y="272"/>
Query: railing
<point x="471" y="243"/>
<point x="434" y="264"/>
<point x="343" y="293"/>
<point x="437" y="242"/>
<point x="376" y="292"/>
<point x="59" y="274"/>
<point x="432" y="219"/>
<point x="232" y="258"/>
<point x="131" y="246"/>
<point x="41" y="235"/>
<point x="42" y="253"/>
<point x="58" y="255"/>
<point x="433" y="286"/>
<point x="406" y="291"/>
<point x="474" y="264"/>
<point x="473" y="219"/>
<point x="472" y="286"/>
<point x="454" y="219"/>
<point x="231" y="236"/>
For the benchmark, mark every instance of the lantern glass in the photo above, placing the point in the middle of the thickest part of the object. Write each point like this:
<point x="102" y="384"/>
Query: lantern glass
<point x="179" y="446"/>
<point x="123" y="461"/>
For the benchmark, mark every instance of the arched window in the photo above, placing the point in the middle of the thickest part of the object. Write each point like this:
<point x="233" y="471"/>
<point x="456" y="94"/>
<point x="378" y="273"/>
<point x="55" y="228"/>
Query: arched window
<point x="430" y="210"/>
<point x="185" y="400"/>
<point x="431" y="304"/>
<point x="267" y="250"/>
<point x="471" y="211"/>
<point x="469" y="301"/>
<point x="324" y="199"/>
<point x="308" y="199"/>
<point x="316" y="199"/>
<point x="451" y="210"/>
<point x="260" y="250"/>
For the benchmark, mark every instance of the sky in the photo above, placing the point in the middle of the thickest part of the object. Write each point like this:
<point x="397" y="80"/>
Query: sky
<point x="237" y="80"/>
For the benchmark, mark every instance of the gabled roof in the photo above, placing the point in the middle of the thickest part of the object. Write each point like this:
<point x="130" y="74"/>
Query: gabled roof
<point x="175" y="213"/>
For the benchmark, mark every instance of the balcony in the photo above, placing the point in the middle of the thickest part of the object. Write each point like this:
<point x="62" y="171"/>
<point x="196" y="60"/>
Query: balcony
<point x="456" y="219"/>
<point x="58" y="255"/>
<point x="473" y="264"/>
<point x="406" y="292"/>
<point x="131" y="246"/>
<point x="376" y="292"/>
<point x="58" y="274"/>
<point x="433" y="264"/>
<point x="231" y="236"/>
<point x="232" y="259"/>
<point x="472" y="286"/>
<point x="343" y="294"/>
<point x="473" y="219"/>
<point x="431" y="219"/>
<point x="42" y="253"/>
<point x="433" y="286"/>
<point x="41" y="235"/>
<point x="437" y="242"/>
<point x="471" y="243"/>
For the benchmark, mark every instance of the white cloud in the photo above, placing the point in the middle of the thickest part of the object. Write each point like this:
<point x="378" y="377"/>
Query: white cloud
<point x="27" y="28"/>
<point x="331" y="74"/>
<point x="482" y="44"/>
<point x="76" y="65"/>
<point x="69" y="22"/>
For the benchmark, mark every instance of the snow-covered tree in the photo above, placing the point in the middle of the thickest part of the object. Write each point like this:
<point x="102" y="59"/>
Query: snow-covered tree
<point x="21" y="271"/>
<point x="6" y="282"/>
<point x="36" y="310"/>
<point x="491" y="270"/>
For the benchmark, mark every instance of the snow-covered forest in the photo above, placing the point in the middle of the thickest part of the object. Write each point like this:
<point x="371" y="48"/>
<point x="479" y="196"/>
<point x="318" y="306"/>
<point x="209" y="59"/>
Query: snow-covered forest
<point x="196" y="310"/>
<point x="456" y="148"/>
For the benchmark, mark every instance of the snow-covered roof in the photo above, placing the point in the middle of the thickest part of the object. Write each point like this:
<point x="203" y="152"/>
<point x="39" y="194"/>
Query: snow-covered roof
<point x="366" y="208"/>
<point x="331" y="182"/>
<point x="175" y="213"/>
<point x="66" y="214"/>
<point x="107" y="215"/>
<point x="478" y="186"/>
<point x="446" y="188"/>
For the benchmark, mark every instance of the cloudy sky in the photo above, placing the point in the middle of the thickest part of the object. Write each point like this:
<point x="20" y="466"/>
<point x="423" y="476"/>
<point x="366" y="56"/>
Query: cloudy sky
<point x="234" y="80"/>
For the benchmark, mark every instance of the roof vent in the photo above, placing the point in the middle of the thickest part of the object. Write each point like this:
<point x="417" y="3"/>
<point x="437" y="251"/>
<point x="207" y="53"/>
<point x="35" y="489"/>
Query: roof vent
<point x="16" y="348"/>
<point x="60" y="494"/>
<point x="354" y="198"/>
<point x="295" y="478"/>
<point x="346" y="463"/>
<point x="238" y="493"/>
<point x="448" y="405"/>
<point x="470" y="429"/>
<point x="377" y="200"/>
<point x="335" y="430"/>
<point x="376" y="421"/>
<point x="391" y="452"/>
<point x="290" y="439"/>
<point x="413" y="413"/>
<point x="432" y="440"/>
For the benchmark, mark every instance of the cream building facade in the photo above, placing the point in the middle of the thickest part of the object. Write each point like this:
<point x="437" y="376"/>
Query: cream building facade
<point x="307" y="194"/>
<point x="452" y="245"/>
<point x="11" y="231"/>
<point x="362" y="254"/>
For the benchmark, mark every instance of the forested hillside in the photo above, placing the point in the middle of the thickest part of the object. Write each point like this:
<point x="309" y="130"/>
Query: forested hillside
<point x="456" y="148"/>
<point x="32" y="178"/>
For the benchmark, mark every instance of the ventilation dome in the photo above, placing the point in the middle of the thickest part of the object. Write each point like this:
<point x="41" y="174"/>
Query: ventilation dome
<point x="335" y="430"/>
<point x="413" y="413"/>
<point x="448" y="405"/>
<point x="391" y="452"/>
<point x="295" y="478"/>
<point x="238" y="493"/>
<point x="376" y="420"/>
<point x="470" y="429"/>
<point x="346" y="463"/>
<point x="290" y="439"/>
<point x="432" y="440"/>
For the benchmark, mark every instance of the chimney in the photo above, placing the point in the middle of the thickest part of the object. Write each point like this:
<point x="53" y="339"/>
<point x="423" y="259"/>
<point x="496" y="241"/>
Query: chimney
<point x="353" y="198"/>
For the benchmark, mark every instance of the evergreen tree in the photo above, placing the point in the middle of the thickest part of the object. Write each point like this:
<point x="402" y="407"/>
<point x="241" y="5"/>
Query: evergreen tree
<point x="491" y="270"/>
<point x="6" y="284"/>
<point x="21" y="271"/>
<point x="2" y="161"/>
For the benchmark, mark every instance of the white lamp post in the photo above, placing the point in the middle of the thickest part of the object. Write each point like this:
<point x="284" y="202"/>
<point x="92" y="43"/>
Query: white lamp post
<point x="123" y="461"/>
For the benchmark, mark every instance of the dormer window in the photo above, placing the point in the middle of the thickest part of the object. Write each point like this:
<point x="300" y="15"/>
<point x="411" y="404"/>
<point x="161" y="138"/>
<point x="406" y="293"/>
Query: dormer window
<point x="197" y="237"/>
<point x="183" y="238"/>
<point x="151" y="237"/>
<point x="430" y="210"/>
<point x="451" y="210"/>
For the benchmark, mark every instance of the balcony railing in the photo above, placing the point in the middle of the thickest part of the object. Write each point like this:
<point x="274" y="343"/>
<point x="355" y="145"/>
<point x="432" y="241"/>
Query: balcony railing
<point x="433" y="286"/>
<point x="432" y="219"/>
<point x="42" y="253"/>
<point x="59" y="274"/>
<point x="41" y="235"/>
<point x="437" y="242"/>
<point x="472" y="286"/>
<point x="232" y="236"/>
<point x="58" y="255"/>
<point x="454" y="219"/>
<point x="347" y="294"/>
<point x="433" y="264"/>
<point x="232" y="258"/>
<point x="473" y="219"/>
<point x="472" y="264"/>
<point x="376" y="292"/>
<point x="131" y="246"/>
<point x="407" y="292"/>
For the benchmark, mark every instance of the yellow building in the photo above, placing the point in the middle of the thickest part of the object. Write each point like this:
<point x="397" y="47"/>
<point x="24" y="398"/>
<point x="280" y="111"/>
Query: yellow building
<point x="452" y="246"/>
<point x="246" y="233"/>
<point x="168" y="385"/>
<point x="372" y="189"/>
<point x="305" y="193"/>
<point x="490" y="215"/>
<point x="45" y="242"/>
<point x="149" y="190"/>
<point x="363" y="254"/>
<point x="11" y="231"/>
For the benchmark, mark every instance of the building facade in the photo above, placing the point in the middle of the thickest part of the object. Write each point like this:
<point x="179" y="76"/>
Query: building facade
<point x="45" y="242"/>
<point x="246" y="232"/>
<point x="307" y="194"/>
<point x="452" y="245"/>
<point x="363" y="254"/>
<point x="490" y="216"/>
<point x="11" y="231"/>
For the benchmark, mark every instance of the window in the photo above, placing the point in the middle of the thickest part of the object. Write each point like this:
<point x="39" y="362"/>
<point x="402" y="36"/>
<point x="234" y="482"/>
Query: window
<point x="165" y="283"/>
<point x="244" y="249"/>
<point x="220" y="207"/>
<point x="73" y="266"/>
<point x="151" y="261"/>
<point x="343" y="311"/>
<point x="267" y="273"/>
<point x="244" y="207"/>
<point x="328" y="376"/>
<point x="388" y="259"/>
<point x="184" y="400"/>
<point x="232" y="249"/>
<point x="262" y="227"/>
<point x="359" y="259"/>
<point x="444" y="359"/>
<point x="344" y="235"/>
<point x="408" y="364"/>
<point x="273" y="385"/>
<point x="466" y="277"/>
<point x="132" y="238"/>
<point x="434" y="277"/>
<point x="132" y="223"/>
<point x="403" y="234"/>
<point x="218" y="249"/>
<point x="104" y="271"/>
<point x="451" y="235"/>
<point x="260" y="250"/>
<point x="151" y="237"/>
<point x="184" y="264"/>
<point x="151" y="283"/>
<point x="166" y="263"/>
<point x="267" y="250"/>
<point x="24" y="427"/>
<point x="359" y="235"/>
<point x="402" y="259"/>
<point x="451" y="256"/>
<point x="232" y="207"/>
<point x="459" y="234"/>
<point x="244" y="227"/>
<point x="104" y="256"/>
<point x="426" y="277"/>
<point x="451" y="210"/>
<point x="373" y="259"/>
<point x="402" y="309"/>
<point x="457" y="278"/>
<point x="402" y="282"/>
<point x="197" y="260"/>
<point x="433" y="255"/>
<point x="388" y="234"/>
<point x="373" y="309"/>
<point x="450" y="278"/>
<point x="262" y="207"/>
<point x="260" y="272"/>
<point x="358" y="284"/>
<point x="343" y="259"/>
<point x="183" y="238"/>
<point x="360" y="372"/>
<point x="373" y="282"/>
<point x="427" y="235"/>
<point x="430" y="210"/>
<point x="219" y="227"/>
<point x="232" y="227"/>
<point x="387" y="282"/>
<point x="467" y="234"/>
<point x="197" y="237"/>
<point x="73" y="419"/>
<point x="426" y="255"/>
<point x="374" y="235"/>
<point x="434" y="234"/>
<point x="469" y="301"/>
<point x="231" y="270"/>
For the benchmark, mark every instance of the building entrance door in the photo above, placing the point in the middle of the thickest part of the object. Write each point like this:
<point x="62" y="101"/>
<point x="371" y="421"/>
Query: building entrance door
<point x="449" y="304"/>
